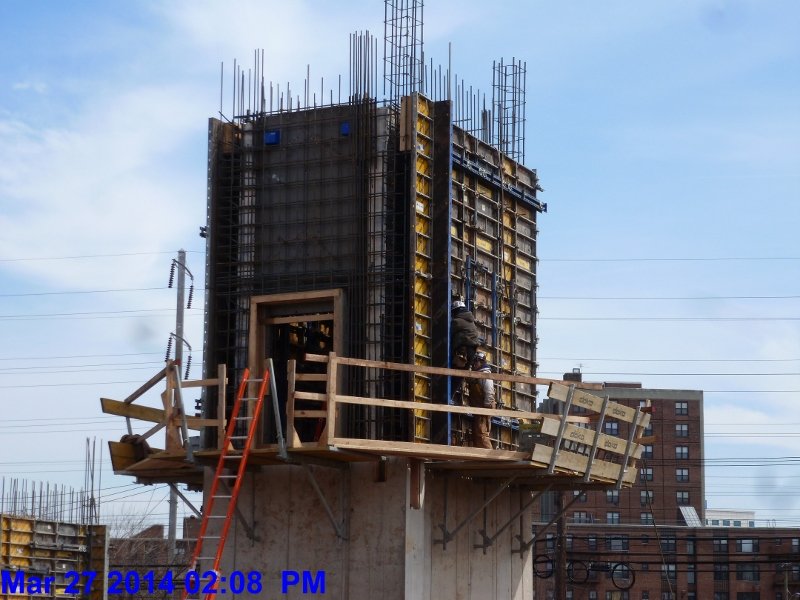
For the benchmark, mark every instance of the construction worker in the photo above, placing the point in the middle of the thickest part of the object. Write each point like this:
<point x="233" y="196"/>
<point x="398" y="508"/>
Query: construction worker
<point x="464" y="335"/>
<point x="481" y="395"/>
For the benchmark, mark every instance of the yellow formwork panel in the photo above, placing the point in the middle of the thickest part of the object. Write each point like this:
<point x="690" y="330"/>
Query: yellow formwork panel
<point x="524" y="263"/>
<point x="485" y="244"/>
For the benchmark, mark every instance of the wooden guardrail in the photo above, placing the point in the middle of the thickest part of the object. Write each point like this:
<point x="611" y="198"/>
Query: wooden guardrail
<point x="571" y="444"/>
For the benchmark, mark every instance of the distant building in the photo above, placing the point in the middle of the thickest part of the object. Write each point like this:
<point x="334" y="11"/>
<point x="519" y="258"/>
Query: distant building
<point x="654" y="538"/>
<point x="730" y="518"/>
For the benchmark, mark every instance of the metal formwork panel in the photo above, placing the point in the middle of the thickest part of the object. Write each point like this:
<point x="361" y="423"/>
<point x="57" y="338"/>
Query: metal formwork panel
<point x="493" y="257"/>
<point x="421" y="116"/>
<point x="51" y="548"/>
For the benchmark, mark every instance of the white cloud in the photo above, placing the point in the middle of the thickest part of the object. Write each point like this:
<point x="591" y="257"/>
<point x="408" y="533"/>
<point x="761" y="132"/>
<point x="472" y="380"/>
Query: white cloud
<point x="33" y="86"/>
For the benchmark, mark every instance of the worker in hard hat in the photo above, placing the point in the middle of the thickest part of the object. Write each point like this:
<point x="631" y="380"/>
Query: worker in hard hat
<point x="464" y="335"/>
<point x="481" y="395"/>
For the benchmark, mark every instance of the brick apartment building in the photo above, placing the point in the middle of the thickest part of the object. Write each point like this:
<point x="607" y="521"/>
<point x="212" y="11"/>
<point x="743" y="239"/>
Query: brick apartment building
<point x="649" y="542"/>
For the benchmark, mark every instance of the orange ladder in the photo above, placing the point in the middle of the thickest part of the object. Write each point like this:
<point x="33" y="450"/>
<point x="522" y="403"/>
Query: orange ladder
<point x="228" y="459"/>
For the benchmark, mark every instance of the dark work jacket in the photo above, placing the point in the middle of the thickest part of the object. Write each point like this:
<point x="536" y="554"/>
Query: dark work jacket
<point x="463" y="330"/>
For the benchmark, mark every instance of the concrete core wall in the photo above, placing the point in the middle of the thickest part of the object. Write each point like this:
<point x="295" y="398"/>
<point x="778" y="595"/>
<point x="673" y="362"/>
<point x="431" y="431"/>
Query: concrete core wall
<point x="392" y="551"/>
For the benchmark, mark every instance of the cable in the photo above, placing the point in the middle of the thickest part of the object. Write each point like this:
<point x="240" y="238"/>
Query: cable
<point x="94" y="312"/>
<point x="78" y="356"/>
<point x="25" y="294"/>
<point x="670" y="319"/>
<point x="671" y="259"/>
<point x="28" y="259"/>
<point x="667" y="297"/>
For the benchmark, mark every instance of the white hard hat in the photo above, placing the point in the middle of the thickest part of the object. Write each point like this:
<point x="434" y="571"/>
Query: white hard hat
<point x="458" y="304"/>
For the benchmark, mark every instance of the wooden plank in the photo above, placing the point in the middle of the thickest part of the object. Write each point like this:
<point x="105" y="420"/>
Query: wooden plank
<point x="122" y="455"/>
<point x="585" y="436"/>
<point x="311" y="414"/>
<point x="193" y="383"/>
<point x="292" y="437"/>
<point x="298" y="319"/>
<point x="577" y="463"/>
<point x="146" y="386"/>
<point x="433" y="451"/>
<point x="321" y="358"/>
<point x="135" y="411"/>
<point x="311" y="376"/>
<point x="359" y="362"/>
<point x="329" y="430"/>
<point x="446" y="408"/>
<point x="296" y="297"/>
<point x="594" y="403"/>
<point x="316" y="396"/>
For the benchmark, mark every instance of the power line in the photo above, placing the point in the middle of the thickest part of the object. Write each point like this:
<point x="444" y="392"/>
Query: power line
<point x="25" y="294"/>
<point x="91" y="312"/>
<point x="79" y="356"/>
<point x="667" y="297"/>
<point x="672" y="259"/>
<point x="671" y="359"/>
<point x="43" y="258"/>
<point x="669" y="319"/>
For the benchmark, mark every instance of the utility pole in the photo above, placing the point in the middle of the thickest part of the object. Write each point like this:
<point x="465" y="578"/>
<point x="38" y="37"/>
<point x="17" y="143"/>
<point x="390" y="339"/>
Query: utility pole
<point x="173" y="493"/>
<point x="560" y="566"/>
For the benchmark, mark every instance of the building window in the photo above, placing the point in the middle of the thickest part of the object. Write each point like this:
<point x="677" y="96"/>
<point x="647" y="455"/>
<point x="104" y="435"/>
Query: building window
<point x="591" y="543"/>
<point x="592" y="595"/>
<point x="690" y="574"/>
<point x="748" y="545"/>
<point x="747" y="572"/>
<point x="667" y="595"/>
<point x="720" y="595"/>
<point x="647" y="451"/>
<point x="681" y="430"/>
<point x="795" y="544"/>
<point x="682" y="474"/>
<point x="669" y="572"/>
<point x="648" y="430"/>
<point x="617" y="543"/>
<point x="720" y="571"/>
<point x="646" y="474"/>
<point x="726" y="522"/>
<point x="617" y="595"/>
<point x="682" y="409"/>
<point x="645" y="540"/>
<point x="645" y="497"/>
<point x="646" y="518"/>
<point x="721" y="545"/>
<point x="569" y="595"/>
<point x="581" y="496"/>
<point x="748" y="596"/>
<point x="668" y="543"/>
<point x="691" y="596"/>
<point x="715" y="521"/>
<point x="581" y="516"/>
<point x="737" y="523"/>
<point x="645" y="566"/>
<point x="550" y="542"/>
<point x="612" y="517"/>
<point x="681" y="452"/>
<point x="682" y="497"/>
<point x="691" y="546"/>
<point x="645" y="595"/>
<point x="611" y="427"/>
<point x="569" y="542"/>
<point x="612" y="496"/>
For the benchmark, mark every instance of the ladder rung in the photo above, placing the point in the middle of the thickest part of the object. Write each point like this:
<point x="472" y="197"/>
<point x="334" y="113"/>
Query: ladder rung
<point x="238" y="437"/>
<point x="210" y="537"/>
<point x="218" y="497"/>
<point x="217" y="517"/>
<point x="233" y="457"/>
<point x="227" y="477"/>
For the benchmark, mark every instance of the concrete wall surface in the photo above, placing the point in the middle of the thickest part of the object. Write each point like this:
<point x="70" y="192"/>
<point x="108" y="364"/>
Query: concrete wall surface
<point x="392" y="551"/>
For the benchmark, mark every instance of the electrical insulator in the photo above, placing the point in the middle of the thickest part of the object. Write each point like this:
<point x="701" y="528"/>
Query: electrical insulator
<point x="169" y="349"/>
<point x="171" y="274"/>
<point x="191" y="295"/>
<point x="188" y="366"/>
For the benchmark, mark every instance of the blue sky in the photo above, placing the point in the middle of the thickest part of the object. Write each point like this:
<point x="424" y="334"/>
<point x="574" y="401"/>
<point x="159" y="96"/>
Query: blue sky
<point x="660" y="130"/>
